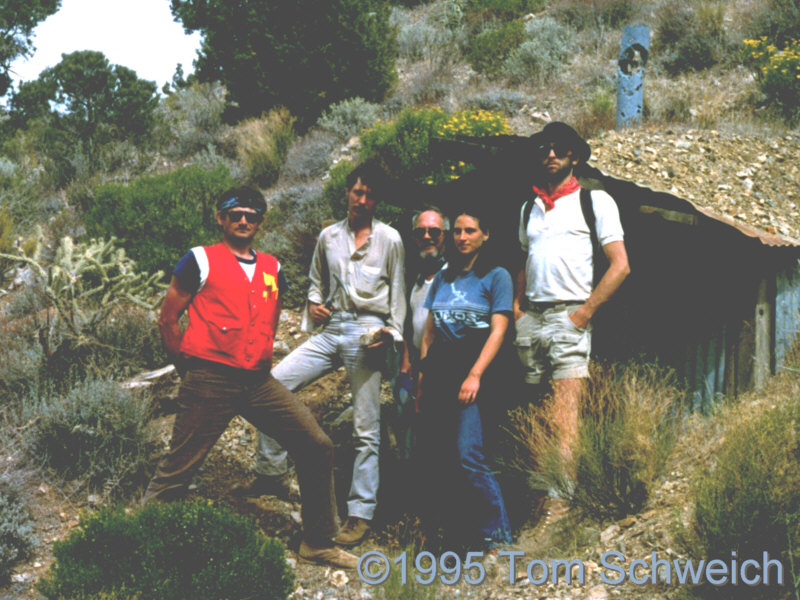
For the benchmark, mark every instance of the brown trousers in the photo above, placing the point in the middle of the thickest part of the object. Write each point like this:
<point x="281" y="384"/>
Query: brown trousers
<point x="209" y="397"/>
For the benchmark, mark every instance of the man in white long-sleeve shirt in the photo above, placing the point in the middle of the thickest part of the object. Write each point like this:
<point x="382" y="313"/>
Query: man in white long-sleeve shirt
<point x="357" y="292"/>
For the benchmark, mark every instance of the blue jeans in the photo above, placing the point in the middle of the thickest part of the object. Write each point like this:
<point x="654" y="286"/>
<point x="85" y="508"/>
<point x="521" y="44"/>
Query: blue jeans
<point x="338" y="344"/>
<point x="493" y="521"/>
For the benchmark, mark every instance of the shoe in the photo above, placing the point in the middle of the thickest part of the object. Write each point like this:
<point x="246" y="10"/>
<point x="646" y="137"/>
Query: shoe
<point x="264" y="485"/>
<point x="330" y="556"/>
<point x="353" y="532"/>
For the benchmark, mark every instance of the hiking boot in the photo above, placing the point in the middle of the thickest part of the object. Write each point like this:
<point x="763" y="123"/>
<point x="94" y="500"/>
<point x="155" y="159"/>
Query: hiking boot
<point x="331" y="556"/>
<point x="264" y="485"/>
<point x="353" y="532"/>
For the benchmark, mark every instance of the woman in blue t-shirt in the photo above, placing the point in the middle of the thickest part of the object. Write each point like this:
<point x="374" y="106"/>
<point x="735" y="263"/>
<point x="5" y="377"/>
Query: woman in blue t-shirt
<point x="470" y="306"/>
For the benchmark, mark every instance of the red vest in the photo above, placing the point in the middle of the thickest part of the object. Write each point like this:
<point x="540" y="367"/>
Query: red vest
<point x="231" y="319"/>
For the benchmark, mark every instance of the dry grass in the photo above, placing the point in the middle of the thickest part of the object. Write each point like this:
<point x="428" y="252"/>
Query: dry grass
<point x="628" y="423"/>
<point x="262" y="144"/>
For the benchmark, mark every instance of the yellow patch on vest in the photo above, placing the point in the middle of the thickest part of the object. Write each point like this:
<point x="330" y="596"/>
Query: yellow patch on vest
<point x="271" y="285"/>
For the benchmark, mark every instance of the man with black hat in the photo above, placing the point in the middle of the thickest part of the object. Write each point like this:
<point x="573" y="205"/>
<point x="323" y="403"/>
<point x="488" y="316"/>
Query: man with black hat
<point x="554" y="297"/>
<point x="233" y="297"/>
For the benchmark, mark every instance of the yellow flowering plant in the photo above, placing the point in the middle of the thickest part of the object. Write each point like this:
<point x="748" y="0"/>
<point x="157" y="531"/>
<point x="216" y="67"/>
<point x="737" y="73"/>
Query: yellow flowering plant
<point x="778" y="73"/>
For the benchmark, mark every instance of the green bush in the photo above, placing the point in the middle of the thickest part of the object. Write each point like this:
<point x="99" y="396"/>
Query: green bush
<point x="16" y="528"/>
<point x="489" y="49"/>
<point x="503" y="101"/>
<point x="777" y="20"/>
<point x="158" y="218"/>
<point x="748" y="501"/>
<point x="128" y="342"/>
<point x="598" y="112"/>
<point x="778" y="74"/>
<point x="348" y="117"/>
<point x="476" y="11"/>
<point x="191" y="118"/>
<point x="690" y="37"/>
<point x="627" y="430"/>
<point x="79" y="288"/>
<point x="96" y="430"/>
<point x="177" y="551"/>
<point x="581" y="14"/>
<point x="543" y="55"/>
<point x="309" y="157"/>
<point x="291" y="228"/>
<point x="263" y="143"/>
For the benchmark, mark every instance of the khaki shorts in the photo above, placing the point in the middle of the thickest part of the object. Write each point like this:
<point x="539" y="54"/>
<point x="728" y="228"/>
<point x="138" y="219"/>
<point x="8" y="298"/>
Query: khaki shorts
<point x="549" y="343"/>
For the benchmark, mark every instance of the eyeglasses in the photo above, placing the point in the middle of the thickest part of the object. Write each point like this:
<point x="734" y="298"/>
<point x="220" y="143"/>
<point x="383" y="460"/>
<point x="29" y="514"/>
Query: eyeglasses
<point x="236" y="215"/>
<point x="434" y="232"/>
<point x="560" y="149"/>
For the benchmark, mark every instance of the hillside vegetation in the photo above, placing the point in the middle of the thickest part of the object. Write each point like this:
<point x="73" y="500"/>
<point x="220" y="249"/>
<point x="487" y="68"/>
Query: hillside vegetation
<point x="106" y="181"/>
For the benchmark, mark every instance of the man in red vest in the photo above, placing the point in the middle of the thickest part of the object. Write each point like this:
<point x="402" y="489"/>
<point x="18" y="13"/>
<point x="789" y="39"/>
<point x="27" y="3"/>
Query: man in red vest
<point x="232" y="294"/>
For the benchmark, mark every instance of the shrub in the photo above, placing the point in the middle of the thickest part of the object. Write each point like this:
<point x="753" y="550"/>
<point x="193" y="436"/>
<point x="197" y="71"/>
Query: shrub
<point x="543" y="55"/>
<point x="598" y="112"/>
<point x="489" y="49"/>
<point x="778" y="20"/>
<point x="7" y="238"/>
<point x="96" y="430"/>
<point x="79" y="288"/>
<point x="263" y="143"/>
<point x="128" y="342"/>
<point x="21" y="362"/>
<point x="503" y="101"/>
<point x="416" y="40"/>
<point x="158" y="218"/>
<point x="404" y="143"/>
<point x="778" y="74"/>
<point x="174" y="551"/>
<point x="347" y="118"/>
<point x="476" y="11"/>
<point x="690" y="37"/>
<point x="309" y="157"/>
<point x="16" y="528"/>
<point x="581" y="14"/>
<point x="627" y="429"/>
<point x="192" y="118"/>
<point x="292" y="226"/>
<point x="748" y="501"/>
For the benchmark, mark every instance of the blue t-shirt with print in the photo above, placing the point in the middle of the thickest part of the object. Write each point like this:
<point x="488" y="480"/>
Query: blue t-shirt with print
<point x="467" y="303"/>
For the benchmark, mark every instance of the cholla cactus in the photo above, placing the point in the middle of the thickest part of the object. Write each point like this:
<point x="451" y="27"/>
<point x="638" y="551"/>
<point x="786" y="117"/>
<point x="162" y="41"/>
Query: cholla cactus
<point x="84" y="283"/>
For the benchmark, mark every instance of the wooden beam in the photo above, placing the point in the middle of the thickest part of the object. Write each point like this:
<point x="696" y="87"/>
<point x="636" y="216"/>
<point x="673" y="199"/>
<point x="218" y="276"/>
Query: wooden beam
<point x="763" y="351"/>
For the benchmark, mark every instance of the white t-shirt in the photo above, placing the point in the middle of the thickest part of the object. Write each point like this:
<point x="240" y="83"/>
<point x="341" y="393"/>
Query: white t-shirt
<point x="559" y="246"/>
<point x="419" y="314"/>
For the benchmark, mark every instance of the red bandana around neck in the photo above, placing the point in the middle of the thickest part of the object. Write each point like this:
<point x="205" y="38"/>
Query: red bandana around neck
<point x="569" y="186"/>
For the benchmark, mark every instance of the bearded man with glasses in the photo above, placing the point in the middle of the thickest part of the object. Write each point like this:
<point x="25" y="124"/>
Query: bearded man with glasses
<point x="555" y="296"/>
<point x="232" y="295"/>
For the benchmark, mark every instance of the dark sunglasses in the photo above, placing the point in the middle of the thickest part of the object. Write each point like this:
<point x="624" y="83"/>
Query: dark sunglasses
<point x="560" y="149"/>
<point x="236" y="215"/>
<point x="434" y="232"/>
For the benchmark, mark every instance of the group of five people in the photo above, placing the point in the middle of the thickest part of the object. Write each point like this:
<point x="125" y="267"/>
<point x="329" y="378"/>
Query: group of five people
<point x="459" y="314"/>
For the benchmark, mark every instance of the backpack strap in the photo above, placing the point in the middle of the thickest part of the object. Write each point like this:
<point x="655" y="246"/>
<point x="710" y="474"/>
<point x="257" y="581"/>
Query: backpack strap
<point x="587" y="208"/>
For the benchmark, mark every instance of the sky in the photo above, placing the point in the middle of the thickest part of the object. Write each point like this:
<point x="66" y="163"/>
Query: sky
<point x="138" y="34"/>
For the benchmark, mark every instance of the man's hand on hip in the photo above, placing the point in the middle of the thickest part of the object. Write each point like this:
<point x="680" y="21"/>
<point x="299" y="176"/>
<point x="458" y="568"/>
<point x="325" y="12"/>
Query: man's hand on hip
<point x="319" y="314"/>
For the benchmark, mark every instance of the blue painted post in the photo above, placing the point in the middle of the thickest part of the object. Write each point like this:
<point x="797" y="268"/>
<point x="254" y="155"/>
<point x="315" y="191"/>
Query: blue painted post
<point x="634" y="50"/>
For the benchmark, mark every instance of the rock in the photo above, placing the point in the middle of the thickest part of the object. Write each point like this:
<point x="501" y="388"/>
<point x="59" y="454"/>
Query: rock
<point x="609" y="533"/>
<point x="339" y="578"/>
<point x="597" y="593"/>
